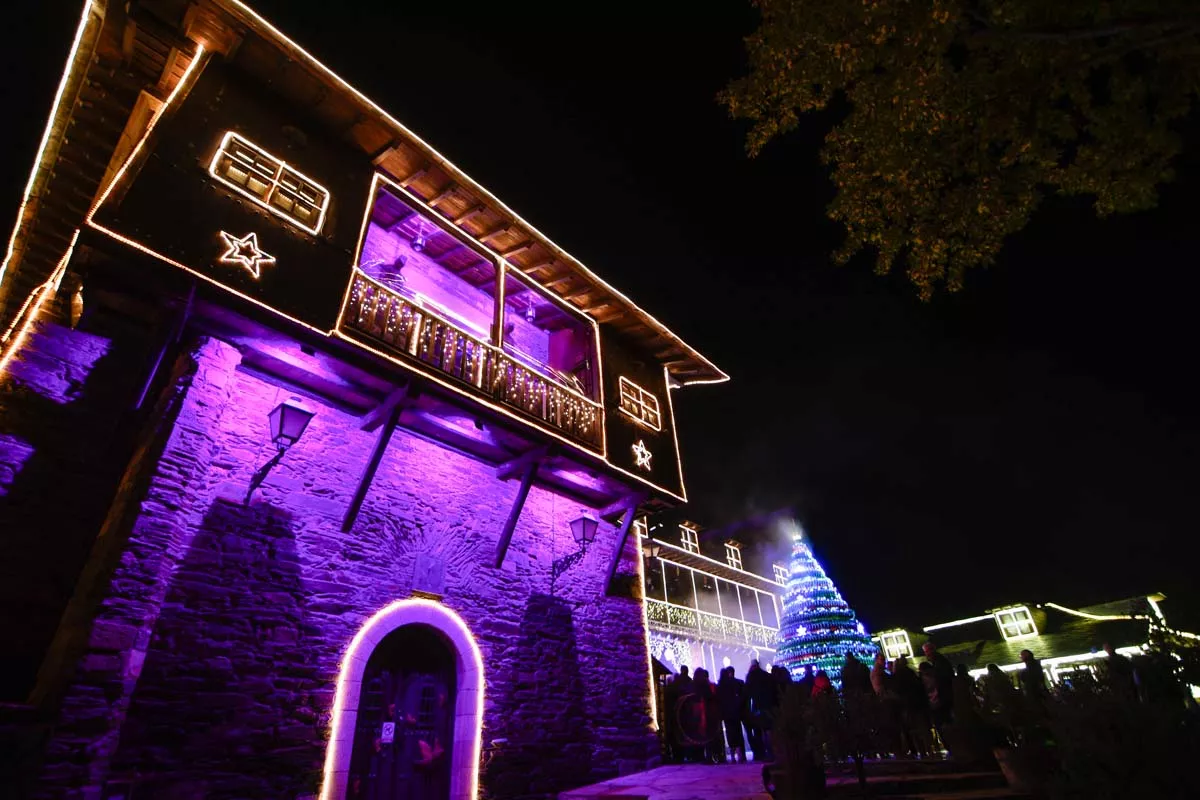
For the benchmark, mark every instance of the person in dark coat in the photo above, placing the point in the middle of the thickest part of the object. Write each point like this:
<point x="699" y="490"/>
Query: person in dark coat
<point x="731" y="694"/>
<point x="941" y="697"/>
<point x="759" y="691"/>
<point x="1033" y="677"/>
<point x="805" y="684"/>
<point x="914" y="708"/>
<point x="683" y="682"/>
<point x="708" y="718"/>
<point x="856" y="678"/>
<point x="1119" y="673"/>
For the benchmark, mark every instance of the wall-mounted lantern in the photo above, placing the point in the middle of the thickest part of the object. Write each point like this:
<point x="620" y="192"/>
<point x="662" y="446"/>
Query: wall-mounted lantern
<point x="583" y="530"/>
<point x="288" y="422"/>
<point x="651" y="548"/>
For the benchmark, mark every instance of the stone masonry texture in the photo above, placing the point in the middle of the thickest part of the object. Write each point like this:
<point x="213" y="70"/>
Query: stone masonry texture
<point x="201" y="650"/>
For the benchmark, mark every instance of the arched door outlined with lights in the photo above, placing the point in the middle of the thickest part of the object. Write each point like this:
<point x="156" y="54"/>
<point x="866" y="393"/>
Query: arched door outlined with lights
<point x="408" y="711"/>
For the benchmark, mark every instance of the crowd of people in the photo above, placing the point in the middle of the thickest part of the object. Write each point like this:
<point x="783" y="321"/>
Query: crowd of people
<point x="732" y="719"/>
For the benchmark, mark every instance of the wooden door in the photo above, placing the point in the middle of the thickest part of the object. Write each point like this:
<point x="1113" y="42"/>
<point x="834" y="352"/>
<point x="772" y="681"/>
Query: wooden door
<point x="404" y="728"/>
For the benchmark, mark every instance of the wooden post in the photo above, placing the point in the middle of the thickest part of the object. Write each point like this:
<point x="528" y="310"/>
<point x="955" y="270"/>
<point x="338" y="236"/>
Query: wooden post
<point x="364" y="483"/>
<point x="515" y="512"/>
<point x="631" y="506"/>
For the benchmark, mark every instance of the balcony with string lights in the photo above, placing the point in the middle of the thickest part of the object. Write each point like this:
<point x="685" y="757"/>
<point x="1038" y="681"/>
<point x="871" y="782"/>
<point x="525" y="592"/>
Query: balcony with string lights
<point x="426" y="296"/>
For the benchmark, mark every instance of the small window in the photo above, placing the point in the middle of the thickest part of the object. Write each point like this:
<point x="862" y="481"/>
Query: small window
<point x="691" y="542"/>
<point x="640" y="404"/>
<point x="270" y="182"/>
<point x="640" y="527"/>
<point x="781" y="574"/>
<point x="1016" y="623"/>
<point x="733" y="554"/>
<point x="895" y="644"/>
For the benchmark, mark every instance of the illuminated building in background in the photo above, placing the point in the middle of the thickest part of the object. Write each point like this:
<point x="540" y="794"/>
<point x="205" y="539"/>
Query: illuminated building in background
<point x="711" y="601"/>
<point x="319" y="464"/>
<point x="1067" y="640"/>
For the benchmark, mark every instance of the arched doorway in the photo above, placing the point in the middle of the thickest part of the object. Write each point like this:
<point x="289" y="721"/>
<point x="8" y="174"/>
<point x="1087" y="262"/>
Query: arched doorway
<point x="405" y="723"/>
<point x="408" y="710"/>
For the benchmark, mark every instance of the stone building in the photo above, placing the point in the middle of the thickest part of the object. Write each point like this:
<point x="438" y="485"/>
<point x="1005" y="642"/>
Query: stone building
<point x="318" y="463"/>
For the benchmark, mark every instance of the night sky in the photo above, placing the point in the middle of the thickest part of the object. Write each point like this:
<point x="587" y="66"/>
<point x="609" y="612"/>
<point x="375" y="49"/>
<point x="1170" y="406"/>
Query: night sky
<point x="1033" y="437"/>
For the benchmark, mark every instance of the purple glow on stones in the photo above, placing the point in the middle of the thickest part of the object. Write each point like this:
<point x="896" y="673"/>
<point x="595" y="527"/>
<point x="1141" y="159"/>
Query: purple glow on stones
<point x="14" y="452"/>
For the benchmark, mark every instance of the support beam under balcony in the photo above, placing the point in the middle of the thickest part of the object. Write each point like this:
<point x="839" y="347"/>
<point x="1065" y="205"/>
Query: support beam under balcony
<point x="519" y="465"/>
<point x="529" y="463"/>
<point x="364" y="483"/>
<point x="399" y="398"/>
<point x="630" y="503"/>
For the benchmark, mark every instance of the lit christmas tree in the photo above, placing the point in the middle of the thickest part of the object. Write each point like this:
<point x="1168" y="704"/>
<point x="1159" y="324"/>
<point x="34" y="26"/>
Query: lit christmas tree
<point x="817" y="628"/>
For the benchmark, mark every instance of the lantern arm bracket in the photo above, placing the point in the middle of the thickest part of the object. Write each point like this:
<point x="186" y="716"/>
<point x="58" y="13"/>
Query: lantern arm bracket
<point x="260" y="474"/>
<point x="562" y="565"/>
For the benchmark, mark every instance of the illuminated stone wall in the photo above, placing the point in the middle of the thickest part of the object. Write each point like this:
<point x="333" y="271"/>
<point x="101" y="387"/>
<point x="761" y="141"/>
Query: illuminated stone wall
<point x="204" y="649"/>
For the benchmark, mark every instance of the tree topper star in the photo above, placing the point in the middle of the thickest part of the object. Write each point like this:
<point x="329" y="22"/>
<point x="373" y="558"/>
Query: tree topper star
<point x="642" y="454"/>
<point x="245" y="252"/>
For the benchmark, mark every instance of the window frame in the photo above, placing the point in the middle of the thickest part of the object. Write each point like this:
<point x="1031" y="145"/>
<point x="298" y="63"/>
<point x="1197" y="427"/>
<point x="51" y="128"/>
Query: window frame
<point x="782" y="573"/>
<point x="638" y="396"/>
<point x="733" y="555"/>
<point x="1020" y="617"/>
<point x="895" y="644"/>
<point x="689" y="539"/>
<point x="275" y="183"/>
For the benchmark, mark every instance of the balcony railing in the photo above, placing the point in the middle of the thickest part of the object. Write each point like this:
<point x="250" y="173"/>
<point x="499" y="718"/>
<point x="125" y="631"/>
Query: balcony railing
<point x="671" y="618"/>
<point x="414" y="332"/>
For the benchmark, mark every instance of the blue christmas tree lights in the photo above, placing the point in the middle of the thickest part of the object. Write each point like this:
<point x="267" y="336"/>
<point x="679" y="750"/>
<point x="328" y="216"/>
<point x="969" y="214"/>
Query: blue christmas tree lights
<point x="818" y="627"/>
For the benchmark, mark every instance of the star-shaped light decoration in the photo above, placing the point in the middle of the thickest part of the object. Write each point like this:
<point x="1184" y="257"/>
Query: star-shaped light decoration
<point x="245" y="252"/>
<point x="642" y="455"/>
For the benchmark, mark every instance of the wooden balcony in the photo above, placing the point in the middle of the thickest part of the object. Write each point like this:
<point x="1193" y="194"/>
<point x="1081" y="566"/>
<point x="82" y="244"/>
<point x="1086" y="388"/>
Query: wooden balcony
<point x="411" y="332"/>
<point x="670" y="618"/>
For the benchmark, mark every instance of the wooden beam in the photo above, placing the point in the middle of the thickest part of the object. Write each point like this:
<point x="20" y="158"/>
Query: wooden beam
<point x="516" y="466"/>
<point x="631" y="501"/>
<point x="585" y="290"/>
<point x="128" y="35"/>
<point x="378" y="155"/>
<point x="364" y="483"/>
<point x="450" y="189"/>
<point x="557" y="281"/>
<point x="398" y="398"/>
<point x="521" y="248"/>
<point x="492" y="234"/>
<point x="470" y="214"/>
<point x="613" y="511"/>
<point x="541" y="266"/>
<point x="164" y="80"/>
<point x="598" y="307"/>
<point x="514" y="513"/>
<point x="415" y="176"/>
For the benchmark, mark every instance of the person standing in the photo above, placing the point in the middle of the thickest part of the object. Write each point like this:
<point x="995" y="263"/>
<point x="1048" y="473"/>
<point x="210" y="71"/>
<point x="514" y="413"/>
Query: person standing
<point x="943" y="673"/>
<point x="759" y="691"/>
<point x="914" y="709"/>
<point x="731" y="694"/>
<point x="805" y="684"/>
<point x="1119" y="673"/>
<point x="1033" y="677"/>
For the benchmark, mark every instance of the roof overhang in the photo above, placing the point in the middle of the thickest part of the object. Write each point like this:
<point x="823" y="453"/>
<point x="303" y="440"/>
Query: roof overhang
<point x="122" y="55"/>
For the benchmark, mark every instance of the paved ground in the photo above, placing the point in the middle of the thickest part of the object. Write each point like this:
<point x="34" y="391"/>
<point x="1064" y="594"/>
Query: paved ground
<point x="896" y="780"/>
<point x="680" y="782"/>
